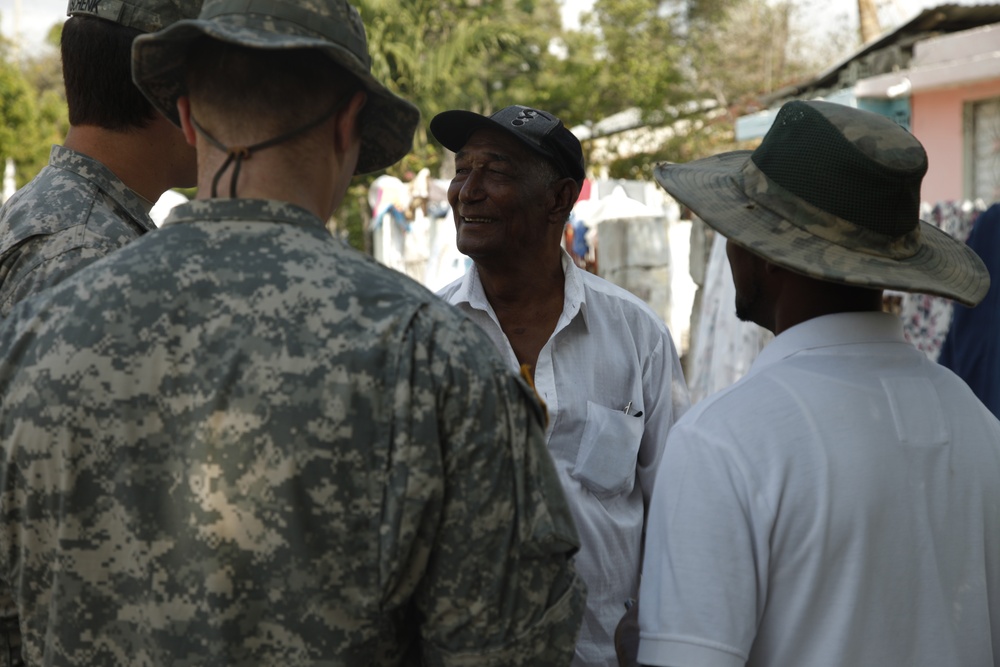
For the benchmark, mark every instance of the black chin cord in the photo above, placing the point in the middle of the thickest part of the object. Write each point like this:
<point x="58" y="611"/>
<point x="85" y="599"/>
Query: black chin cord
<point x="237" y="154"/>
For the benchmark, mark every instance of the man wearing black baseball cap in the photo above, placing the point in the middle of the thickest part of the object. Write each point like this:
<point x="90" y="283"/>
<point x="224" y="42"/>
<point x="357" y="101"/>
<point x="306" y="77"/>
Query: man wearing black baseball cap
<point x="600" y="359"/>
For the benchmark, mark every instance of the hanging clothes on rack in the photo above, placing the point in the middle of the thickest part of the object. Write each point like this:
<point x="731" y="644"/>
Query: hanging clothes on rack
<point x="926" y="318"/>
<point x="972" y="346"/>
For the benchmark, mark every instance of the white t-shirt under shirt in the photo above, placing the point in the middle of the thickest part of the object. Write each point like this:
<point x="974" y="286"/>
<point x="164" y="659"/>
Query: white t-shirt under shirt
<point x="839" y="506"/>
<point x="608" y="350"/>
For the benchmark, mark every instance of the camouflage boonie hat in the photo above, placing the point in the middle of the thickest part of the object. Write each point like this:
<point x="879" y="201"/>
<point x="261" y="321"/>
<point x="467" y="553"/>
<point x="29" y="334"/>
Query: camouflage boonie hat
<point x="832" y="192"/>
<point x="144" y="15"/>
<point x="332" y="27"/>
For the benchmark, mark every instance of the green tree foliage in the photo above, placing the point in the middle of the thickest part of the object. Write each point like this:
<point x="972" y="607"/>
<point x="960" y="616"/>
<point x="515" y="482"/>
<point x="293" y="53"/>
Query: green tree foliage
<point x="18" y="110"/>
<point x="705" y="11"/>
<point x="470" y="54"/>
<point x="698" y="64"/>
<point x="746" y="52"/>
<point x="30" y="122"/>
<point x="32" y="107"/>
<point x="451" y="54"/>
<point x="640" y="59"/>
<point x="695" y="64"/>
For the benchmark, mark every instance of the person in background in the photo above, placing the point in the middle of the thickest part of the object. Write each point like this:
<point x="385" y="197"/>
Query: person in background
<point x="240" y="442"/>
<point x="971" y="348"/>
<point x="603" y="363"/>
<point x="838" y="505"/>
<point x="118" y="157"/>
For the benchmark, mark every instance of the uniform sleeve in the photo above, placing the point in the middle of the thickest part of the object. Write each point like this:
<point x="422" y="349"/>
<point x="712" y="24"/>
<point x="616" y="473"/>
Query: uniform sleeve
<point x="704" y="561"/>
<point x="500" y="587"/>
<point x="11" y="639"/>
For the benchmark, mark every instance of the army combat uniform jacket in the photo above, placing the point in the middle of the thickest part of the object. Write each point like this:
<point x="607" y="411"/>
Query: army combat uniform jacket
<point x="239" y="441"/>
<point x="74" y="212"/>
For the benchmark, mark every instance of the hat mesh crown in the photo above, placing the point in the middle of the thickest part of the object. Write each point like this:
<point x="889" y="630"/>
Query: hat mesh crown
<point x="871" y="183"/>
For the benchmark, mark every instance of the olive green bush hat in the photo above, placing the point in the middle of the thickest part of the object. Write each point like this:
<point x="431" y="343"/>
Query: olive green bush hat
<point x="144" y="15"/>
<point x="332" y="27"/>
<point x="832" y="192"/>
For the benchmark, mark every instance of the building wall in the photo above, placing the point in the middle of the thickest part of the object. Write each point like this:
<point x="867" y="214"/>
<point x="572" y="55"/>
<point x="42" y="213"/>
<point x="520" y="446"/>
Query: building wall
<point x="937" y="121"/>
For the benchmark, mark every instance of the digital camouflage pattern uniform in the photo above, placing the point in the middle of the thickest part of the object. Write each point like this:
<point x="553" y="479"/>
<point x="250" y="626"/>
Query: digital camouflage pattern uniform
<point x="72" y="213"/>
<point x="238" y="441"/>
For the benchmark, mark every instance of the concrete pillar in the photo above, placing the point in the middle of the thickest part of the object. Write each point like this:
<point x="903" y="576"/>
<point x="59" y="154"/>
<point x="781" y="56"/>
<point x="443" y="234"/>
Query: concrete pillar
<point x="634" y="253"/>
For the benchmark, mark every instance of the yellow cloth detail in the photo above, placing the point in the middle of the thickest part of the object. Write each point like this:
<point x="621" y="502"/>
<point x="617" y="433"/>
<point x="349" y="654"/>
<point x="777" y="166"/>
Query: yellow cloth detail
<point x="527" y="376"/>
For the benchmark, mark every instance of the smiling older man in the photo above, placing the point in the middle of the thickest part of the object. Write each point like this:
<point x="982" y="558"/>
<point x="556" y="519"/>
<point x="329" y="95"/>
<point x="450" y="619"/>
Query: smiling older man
<point x="601" y="360"/>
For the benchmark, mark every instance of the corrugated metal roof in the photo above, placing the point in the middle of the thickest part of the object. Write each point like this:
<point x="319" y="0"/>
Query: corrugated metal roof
<point x="938" y="20"/>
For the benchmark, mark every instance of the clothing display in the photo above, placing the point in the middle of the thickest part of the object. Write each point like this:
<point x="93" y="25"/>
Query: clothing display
<point x="612" y="383"/>
<point x="240" y="442"/>
<point x="72" y="213"/>
<point x="926" y="317"/>
<point x="972" y="345"/>
<point x="785" y="532"/>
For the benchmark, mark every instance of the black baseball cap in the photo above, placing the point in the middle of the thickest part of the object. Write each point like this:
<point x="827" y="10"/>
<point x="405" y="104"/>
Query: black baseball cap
<point x="539" y="130"/>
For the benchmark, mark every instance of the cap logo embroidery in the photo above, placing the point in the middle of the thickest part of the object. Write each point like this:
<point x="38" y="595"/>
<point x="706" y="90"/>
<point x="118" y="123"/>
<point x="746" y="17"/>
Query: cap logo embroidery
<point x="83" y="6"/>
<point x="523" y="117"/>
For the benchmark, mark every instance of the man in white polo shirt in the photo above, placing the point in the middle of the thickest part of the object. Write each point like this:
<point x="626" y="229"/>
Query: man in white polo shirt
<point x="840" y="505"/>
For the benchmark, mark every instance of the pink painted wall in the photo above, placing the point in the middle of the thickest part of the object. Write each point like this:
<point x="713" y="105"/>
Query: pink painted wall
<point x="937" y="121"/>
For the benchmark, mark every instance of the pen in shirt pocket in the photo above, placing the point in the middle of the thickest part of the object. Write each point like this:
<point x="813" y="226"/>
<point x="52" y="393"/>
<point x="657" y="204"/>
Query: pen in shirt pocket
<point x="629" y="407"/>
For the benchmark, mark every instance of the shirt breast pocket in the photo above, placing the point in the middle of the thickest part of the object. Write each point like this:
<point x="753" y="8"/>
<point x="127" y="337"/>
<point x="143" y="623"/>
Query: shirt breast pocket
<point x="605" y="462"/>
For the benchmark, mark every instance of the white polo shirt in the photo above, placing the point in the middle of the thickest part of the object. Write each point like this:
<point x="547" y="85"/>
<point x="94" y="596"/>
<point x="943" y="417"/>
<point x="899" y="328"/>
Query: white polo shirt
<point x="839" y="506"/>
<point x="608" y="351"/>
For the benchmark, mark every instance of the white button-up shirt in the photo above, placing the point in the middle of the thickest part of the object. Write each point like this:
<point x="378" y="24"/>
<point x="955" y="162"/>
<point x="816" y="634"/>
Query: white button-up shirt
<point x="608" y="352"/>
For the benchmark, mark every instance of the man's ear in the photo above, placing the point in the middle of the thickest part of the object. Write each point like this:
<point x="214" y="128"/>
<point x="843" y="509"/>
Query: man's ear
<point x="348" y="120"/>
<point x="566" y="192"/>
<point x="184" y="112"/>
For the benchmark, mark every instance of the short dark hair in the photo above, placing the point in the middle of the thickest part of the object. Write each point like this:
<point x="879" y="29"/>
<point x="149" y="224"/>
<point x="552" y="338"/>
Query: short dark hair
<point x="97" y="71"/>
<point x="277" y="89"/>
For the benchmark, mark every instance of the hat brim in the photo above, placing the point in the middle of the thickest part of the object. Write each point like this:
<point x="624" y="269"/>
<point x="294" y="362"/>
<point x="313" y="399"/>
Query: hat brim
<point x="453" y="128"/>
<point x="713" y="189"/>
<point x="388" y="121"/>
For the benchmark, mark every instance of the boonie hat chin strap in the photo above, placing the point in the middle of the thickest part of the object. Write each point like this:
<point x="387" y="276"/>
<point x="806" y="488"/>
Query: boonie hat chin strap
<point x="236" y="154"/>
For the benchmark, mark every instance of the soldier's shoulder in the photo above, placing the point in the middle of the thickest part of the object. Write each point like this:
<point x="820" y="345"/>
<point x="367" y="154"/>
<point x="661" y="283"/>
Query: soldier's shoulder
<point x="52" y="202"/>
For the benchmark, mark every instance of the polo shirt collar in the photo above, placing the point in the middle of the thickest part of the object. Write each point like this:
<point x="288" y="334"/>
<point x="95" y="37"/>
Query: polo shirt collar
<point x="828" y="331"/>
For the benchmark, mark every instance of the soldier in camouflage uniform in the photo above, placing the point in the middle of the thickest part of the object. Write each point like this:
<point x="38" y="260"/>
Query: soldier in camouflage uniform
<point x="95" y="194"/>
<point x="839" y="505"/>
<point x="238" y="441"/>
<point x="119" y="156"/>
